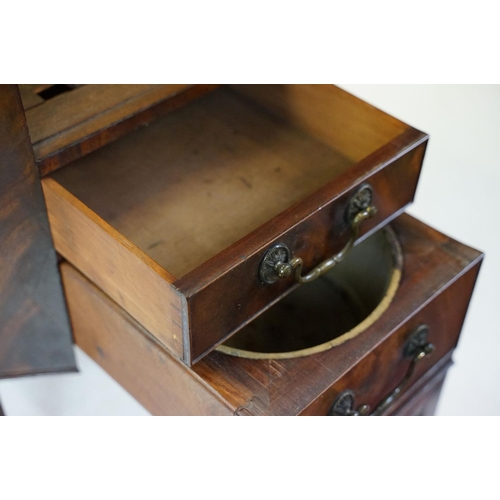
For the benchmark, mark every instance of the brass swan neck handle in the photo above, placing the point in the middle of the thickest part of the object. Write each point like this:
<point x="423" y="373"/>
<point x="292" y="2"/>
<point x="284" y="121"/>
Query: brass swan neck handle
<point x="278" y="263"/>
<point x="417" y="348"/>
<point x="285" y="269"/>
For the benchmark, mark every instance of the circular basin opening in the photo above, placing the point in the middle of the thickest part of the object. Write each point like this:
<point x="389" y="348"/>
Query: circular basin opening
<point x="332" y="309"/>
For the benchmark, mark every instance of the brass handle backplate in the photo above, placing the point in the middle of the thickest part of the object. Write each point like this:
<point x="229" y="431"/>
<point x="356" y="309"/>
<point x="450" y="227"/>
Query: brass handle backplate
<point x="416" y="348"/>
<point x="277" y="262"/>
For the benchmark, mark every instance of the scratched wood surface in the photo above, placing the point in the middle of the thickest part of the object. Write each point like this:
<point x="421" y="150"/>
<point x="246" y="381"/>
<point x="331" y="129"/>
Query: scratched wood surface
<point x="35" y="335"/>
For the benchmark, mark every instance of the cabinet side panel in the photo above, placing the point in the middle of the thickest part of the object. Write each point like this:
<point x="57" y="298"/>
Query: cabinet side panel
<point x="162" y="384"/>
<point x="35" y="335"/>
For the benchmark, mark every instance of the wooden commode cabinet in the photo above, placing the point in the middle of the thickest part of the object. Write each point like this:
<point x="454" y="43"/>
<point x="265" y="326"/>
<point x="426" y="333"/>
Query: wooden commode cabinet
<point x="242" y="249"/>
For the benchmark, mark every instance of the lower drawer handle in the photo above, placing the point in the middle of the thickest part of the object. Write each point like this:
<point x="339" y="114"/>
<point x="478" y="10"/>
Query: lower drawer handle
<point x="417" y="348"/>
<point x="277" y="263"/>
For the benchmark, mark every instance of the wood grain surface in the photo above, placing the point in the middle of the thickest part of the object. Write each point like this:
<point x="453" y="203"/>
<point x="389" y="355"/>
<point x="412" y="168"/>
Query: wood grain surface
<point x="164" y="385"/>
<point x="332" y="115"/>
<point x="422" y="399"/>
<point x="111" y="261"/>
<point x="30" y="95"/>
<point x="73" y="124"/>
<point x="196" y="181"/>
<point x="35" y="334"/>
<point x="438" y="278"/>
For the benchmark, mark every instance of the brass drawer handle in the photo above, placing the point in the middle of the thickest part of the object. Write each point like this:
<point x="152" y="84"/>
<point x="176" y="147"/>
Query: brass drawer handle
<point x="417" y="348"/>
<point x="277" y="263"/>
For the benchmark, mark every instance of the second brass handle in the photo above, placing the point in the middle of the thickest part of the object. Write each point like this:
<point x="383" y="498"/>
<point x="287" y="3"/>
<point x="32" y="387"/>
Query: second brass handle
<point x="278" y="264"/>
<point x="386" y="402"/>
<point x="417" y="348"/>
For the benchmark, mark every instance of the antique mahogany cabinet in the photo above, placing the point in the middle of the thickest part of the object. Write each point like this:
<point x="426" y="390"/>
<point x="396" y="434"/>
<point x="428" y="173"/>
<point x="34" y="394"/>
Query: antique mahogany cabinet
<point x="225" y="249"/>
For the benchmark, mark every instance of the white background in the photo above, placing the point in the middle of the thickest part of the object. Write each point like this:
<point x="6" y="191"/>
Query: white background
<point x="458" y="194"/>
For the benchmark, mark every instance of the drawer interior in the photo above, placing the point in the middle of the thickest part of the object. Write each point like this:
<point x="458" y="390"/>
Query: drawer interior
<point x="199" y="179"/>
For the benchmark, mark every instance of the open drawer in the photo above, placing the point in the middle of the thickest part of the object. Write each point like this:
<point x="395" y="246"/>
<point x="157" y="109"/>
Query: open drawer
<point x="189" y="223"/>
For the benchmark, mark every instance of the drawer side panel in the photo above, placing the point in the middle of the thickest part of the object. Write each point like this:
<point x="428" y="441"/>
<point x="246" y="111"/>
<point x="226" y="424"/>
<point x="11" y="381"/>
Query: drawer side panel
<point x="128" y="276"/>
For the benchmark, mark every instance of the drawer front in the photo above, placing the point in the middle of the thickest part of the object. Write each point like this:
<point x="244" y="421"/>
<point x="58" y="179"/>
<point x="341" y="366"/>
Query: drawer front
<point x="377" y="382"/>
<point x="422" y="399"/>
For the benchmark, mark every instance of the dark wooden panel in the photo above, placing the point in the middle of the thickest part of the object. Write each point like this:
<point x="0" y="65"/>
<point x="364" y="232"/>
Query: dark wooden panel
<point x="225" y="293"/>
<point x="383" y="368"/>
<point x="35" y="335"/>
<point x="422" y="399"/>
<point x="425" y="402"/>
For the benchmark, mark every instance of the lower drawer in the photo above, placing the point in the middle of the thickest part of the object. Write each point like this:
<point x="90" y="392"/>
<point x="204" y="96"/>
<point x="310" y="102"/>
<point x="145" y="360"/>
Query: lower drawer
<point x="371" y="368"/>
<point x="422" y="399"/>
